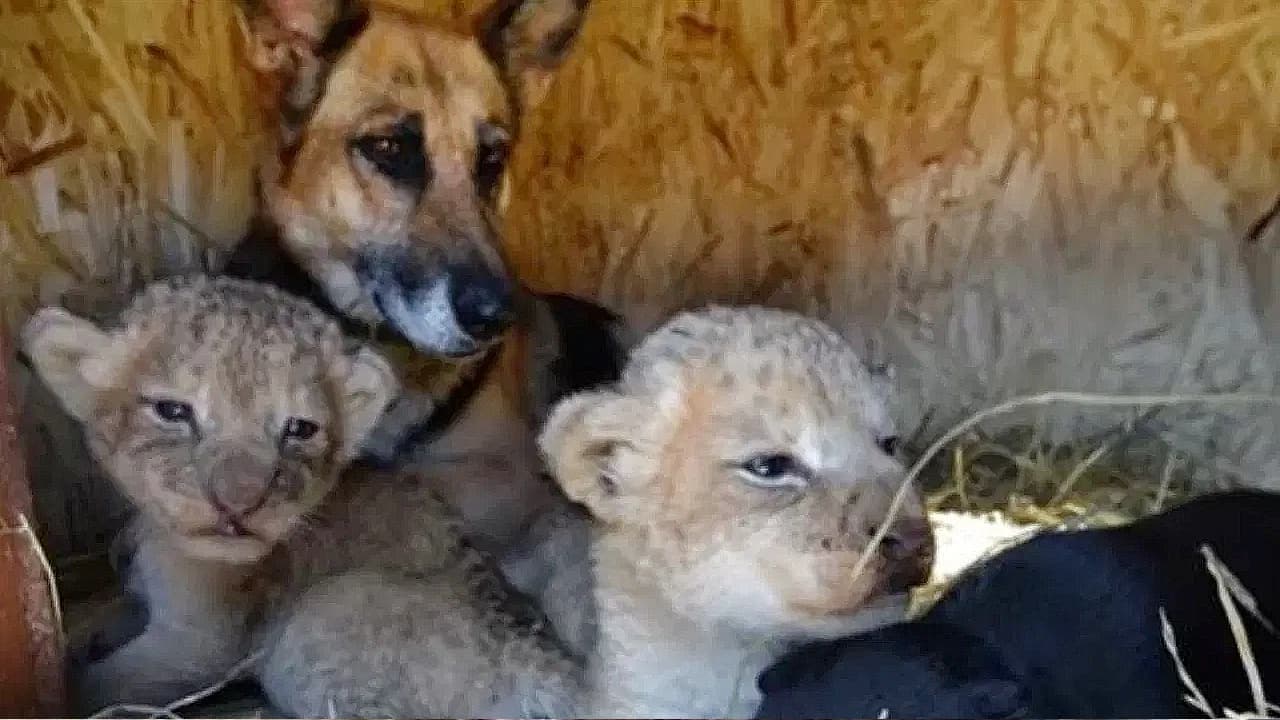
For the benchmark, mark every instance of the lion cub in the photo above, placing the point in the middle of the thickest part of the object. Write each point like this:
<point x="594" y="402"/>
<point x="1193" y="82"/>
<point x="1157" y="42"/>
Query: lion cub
<point x="736" y="474"/>
<point x="225" y="411"/>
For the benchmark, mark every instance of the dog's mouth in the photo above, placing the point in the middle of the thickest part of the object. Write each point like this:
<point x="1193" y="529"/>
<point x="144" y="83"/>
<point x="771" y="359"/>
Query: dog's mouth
<point x="450" y="310"/>
<point x="431" y="320"/>
<point x="424" y="320"/>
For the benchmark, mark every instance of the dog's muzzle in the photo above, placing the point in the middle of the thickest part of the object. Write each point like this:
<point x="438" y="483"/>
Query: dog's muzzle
<point x="482" y="302"/>
<point x="452" y="311"/>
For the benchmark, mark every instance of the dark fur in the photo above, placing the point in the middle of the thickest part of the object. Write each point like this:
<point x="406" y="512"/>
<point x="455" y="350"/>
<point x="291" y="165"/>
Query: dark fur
<point x="1064" y="625"/>
<point x="590" y="353"/>
<point x="261" y="257"/>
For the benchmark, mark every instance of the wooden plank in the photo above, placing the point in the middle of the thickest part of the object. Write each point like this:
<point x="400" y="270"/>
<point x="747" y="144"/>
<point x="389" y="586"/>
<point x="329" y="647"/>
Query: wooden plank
<point x="31" y="648"/>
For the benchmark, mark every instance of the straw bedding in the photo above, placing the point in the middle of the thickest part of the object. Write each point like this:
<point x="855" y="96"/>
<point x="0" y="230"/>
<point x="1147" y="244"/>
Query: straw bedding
<point x="997" y="196"/>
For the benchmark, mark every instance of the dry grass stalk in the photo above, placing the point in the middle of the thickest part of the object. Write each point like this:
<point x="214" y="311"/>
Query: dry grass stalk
<point x="170" y="711"/>
<point x="1085" y="399"/>
<point x="722" y="147"/>
<point x="29" y="534"/>
<point x="1194" y="697"/>
<point x="1231" y="592"/>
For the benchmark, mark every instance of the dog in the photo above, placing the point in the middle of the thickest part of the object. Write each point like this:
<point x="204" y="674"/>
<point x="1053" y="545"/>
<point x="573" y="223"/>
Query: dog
<point x="1067" y="624"/>
<point x="380" y="200"/>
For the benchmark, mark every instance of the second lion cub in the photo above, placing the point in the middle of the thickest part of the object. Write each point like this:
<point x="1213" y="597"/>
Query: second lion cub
<point x="735" y="476"/>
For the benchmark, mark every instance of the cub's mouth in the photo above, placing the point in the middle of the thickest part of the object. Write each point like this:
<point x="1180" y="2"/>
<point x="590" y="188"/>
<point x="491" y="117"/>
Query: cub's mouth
<point x="227" y="528"/>
<point x="238" y="547"/>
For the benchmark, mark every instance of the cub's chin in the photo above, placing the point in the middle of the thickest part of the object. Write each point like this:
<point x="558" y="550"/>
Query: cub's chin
<point x="864" y="617"/>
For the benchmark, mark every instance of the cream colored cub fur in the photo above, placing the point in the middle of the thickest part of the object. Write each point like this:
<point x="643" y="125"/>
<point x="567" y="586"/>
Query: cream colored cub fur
<point x="737" y="473"/>
<point x="227" y="412"/>
<point x="735" y="476"/>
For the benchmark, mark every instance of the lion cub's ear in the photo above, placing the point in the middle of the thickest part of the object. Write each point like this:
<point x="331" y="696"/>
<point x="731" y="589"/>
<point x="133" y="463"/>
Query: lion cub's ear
<point x="68" y="353"/>
<point x="366" y="384"/>
<point x="580" y="443"/>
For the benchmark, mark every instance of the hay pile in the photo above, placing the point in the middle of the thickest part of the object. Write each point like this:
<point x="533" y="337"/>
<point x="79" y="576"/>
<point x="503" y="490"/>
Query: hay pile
<point x="1001" y="196"/>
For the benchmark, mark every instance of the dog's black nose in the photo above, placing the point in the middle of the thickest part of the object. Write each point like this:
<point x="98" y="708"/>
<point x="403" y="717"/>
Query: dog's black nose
<point x="481" y="302"/>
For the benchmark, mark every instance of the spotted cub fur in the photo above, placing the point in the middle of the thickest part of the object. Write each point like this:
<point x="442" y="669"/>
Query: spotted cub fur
<point x="226" y="412"/>
<point x="735" y="476"/>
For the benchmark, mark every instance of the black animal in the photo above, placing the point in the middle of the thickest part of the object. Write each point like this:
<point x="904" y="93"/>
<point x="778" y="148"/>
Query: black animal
<point x="1065" y="625"/>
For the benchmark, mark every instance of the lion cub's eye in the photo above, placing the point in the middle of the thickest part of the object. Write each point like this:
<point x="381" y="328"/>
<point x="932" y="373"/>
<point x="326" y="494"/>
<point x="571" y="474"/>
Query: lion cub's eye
<point x="775" y="470"/>
<point x="172" y="411"/>
<point x="300" y="429"/>
<point x="888" y="444"/>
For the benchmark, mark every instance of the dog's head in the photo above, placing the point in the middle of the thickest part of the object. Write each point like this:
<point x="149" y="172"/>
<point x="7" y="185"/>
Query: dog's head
<point x="390" y="162"/>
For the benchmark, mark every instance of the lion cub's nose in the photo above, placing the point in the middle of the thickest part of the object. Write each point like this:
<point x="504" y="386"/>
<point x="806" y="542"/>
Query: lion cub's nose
<point x="908" y="550"/>
<point x="239" y="482"/>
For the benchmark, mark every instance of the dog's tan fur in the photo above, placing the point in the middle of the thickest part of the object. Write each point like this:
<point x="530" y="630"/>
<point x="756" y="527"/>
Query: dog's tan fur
<point x="388" y="251"/>
<point x="385" y="250"/>
<point x="704" y="569"/>
<point x="703" y="573"/>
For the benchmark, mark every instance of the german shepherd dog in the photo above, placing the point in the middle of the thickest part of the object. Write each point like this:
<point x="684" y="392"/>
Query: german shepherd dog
<point x="380" y="200"/>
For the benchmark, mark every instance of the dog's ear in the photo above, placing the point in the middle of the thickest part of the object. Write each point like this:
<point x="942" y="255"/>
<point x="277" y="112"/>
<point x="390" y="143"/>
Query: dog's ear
<point x="293" y="44"/>
<point x="528" y="39"/>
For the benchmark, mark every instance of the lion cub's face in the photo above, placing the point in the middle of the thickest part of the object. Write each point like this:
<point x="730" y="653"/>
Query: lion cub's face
<point x="747" y="457"/>
<point x="225" y="410"/>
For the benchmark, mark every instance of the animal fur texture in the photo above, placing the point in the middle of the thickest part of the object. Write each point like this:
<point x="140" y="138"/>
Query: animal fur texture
<point x="227" y="412"/>
<point x="381" y="194"/>
<point x="729" y="518"/>
<point x="381" y="198"/>
<point x="1067" y="624"/>
<point x="736" y="474"/>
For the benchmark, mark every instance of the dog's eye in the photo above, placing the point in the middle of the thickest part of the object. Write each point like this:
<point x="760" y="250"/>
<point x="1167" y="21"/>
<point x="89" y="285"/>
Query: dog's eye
<point x="300" y="429"/>
<point x="398" y="152"/>
<point x="888" y="444"/>
<point x="774" y="470"/>
<point x="172" y="411"/>
<point x="492" y="146"/>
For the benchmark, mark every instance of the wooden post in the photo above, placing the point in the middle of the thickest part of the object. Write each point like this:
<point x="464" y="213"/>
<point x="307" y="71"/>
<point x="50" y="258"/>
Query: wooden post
<point x="31" y="646"/>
